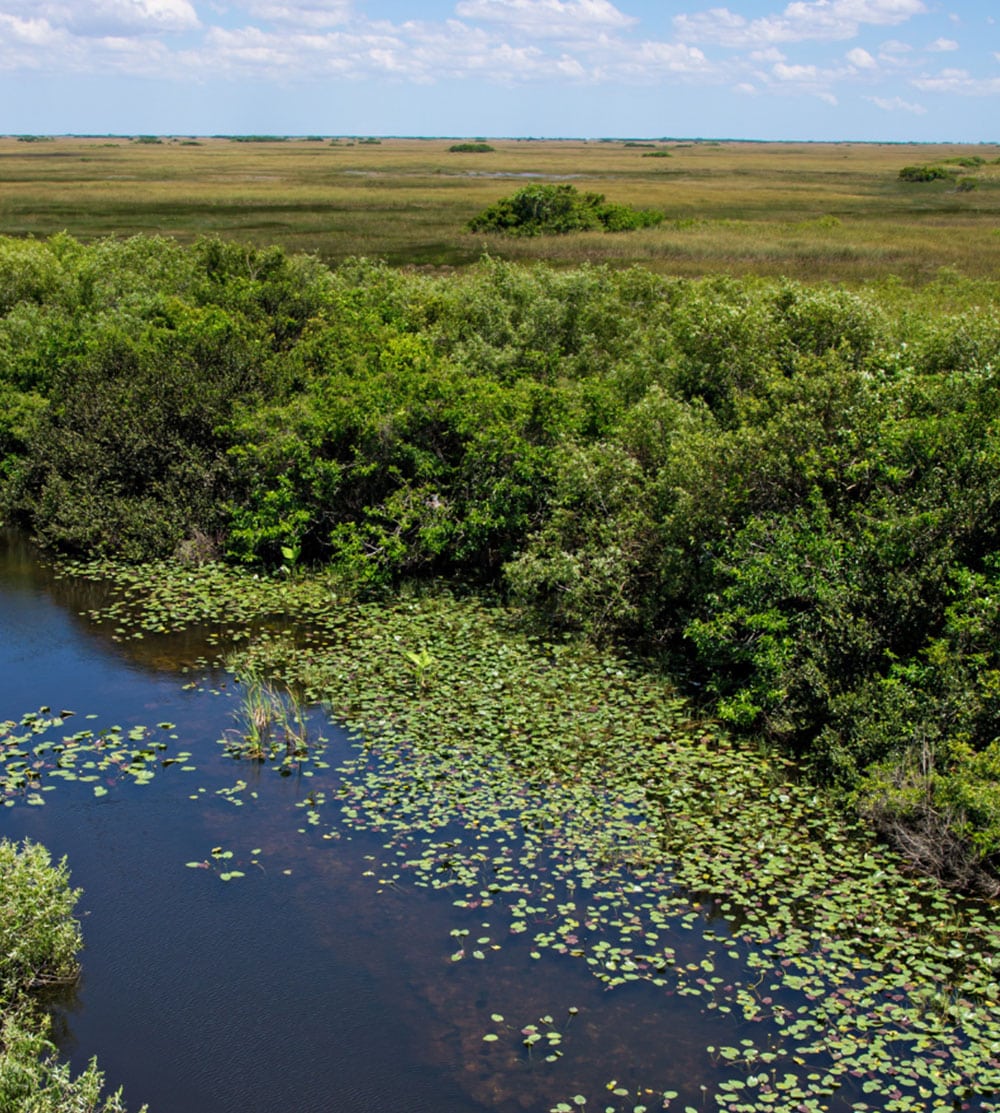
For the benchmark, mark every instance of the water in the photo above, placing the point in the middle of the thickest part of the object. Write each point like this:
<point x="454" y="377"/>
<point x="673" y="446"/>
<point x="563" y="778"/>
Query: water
<point x="284" y="992"/>
<point x="314" y="982"/>
<point x="306" y="985"/>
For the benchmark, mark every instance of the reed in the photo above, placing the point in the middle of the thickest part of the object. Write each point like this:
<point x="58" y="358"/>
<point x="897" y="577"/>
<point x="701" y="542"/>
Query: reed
<point x="271" y="723"/>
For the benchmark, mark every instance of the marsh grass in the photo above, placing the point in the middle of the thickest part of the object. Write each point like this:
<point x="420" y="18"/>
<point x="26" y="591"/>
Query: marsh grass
<point x="807" y="211"/>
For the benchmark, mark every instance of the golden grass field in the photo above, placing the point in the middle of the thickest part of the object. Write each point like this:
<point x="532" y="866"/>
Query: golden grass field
<point x="820" y="211"/>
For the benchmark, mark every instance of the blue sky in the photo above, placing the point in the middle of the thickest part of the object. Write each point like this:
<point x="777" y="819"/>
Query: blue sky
<point x="807" y="69"/>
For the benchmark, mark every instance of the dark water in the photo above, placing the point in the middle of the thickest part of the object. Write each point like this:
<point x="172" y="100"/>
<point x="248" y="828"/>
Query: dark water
<point x="271" y="994"/>
<point x="315" y="982"/>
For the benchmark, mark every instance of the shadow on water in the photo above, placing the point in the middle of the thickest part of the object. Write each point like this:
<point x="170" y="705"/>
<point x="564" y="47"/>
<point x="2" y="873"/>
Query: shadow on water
<point x="304" y="984"/>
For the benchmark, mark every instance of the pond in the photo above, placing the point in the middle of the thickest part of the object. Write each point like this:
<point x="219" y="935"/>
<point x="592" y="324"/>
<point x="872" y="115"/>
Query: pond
<point x="396" y="928"/>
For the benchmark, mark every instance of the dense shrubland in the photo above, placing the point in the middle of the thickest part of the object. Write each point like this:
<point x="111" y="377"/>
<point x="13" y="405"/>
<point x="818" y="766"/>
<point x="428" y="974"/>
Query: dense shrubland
<point x="788" y="494"/>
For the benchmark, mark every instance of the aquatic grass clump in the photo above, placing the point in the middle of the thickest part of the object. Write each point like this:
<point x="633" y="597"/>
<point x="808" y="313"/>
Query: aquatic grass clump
<point x="271" y="723"/>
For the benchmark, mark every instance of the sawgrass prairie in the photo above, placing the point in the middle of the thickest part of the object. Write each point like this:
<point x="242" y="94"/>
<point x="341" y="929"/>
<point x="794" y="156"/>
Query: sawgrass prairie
<point x="810" y="211"/>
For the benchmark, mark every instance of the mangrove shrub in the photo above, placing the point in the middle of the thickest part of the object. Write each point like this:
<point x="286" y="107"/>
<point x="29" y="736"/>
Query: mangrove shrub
<point x="551" y="209"/>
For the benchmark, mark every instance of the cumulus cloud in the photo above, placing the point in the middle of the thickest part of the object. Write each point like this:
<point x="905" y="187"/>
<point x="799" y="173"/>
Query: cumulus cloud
<point x="784" y="72"/>
<point x="862" y="59"/>
<point x="547" y="18"/>
<point x="300" y="13"/>
<point x="98" y="18"/>
<point x="801" y="20"/>
<point x="26" y="32"/>
<point x="505" y="42"/>
<point x="897" y="104"/>
<point x="791" y="79"/>
<point x="416" y="52"/>
<point x="958" y="82"/>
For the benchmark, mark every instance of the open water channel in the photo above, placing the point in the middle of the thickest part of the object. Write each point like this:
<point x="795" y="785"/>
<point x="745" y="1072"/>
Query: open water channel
<point x="286" y="991"/>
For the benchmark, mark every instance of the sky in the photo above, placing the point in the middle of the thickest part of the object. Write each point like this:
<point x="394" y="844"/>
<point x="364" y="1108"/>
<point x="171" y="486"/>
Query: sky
<point x="879" y="70"/>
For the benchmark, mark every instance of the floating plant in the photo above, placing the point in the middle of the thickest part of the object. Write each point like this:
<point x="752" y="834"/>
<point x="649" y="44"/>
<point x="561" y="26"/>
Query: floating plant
<point x="569" y="806"/>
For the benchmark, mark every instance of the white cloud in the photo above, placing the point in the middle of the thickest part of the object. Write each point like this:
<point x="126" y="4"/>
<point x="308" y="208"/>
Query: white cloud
<point x="26" y="32"/>
<point x="570" y="67"/>
<point x="547" y="18"/>
<point x="293" y="41"/>
<point x="503" y="42"/>
<point x="673" y="57"/>
<point x="862" y="59"/>
<point x="425" y="52"/>
<point x="897" y="104"/>
<point x="959" y="82"/>
<point x="100" y="18"/>
<point x="300" y="13"/>
<point x="943" y="45"/>
<point x="111" y="17"/>
<point x="801" y="20"/>
<point x="784" y="72"/>
<point x="771" y="54"/>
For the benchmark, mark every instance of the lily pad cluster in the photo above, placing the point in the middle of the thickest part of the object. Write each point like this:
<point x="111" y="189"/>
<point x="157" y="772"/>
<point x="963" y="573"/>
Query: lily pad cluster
<point x="35" y="754"/>
<point x="570" y="798"/>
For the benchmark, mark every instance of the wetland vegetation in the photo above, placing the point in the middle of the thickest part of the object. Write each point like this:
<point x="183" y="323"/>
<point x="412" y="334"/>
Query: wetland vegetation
<point x="811" y="211"/>
<point x="662" y="612"/>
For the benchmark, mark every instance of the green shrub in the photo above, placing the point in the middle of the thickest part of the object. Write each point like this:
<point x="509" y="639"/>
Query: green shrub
<point x="471" y="148"/>
<point x="39" y="938"/>
<point x="791" y="489"/>
<point x="32" y="1080"/>
<point x="29" y="271"/>
<point x="925" y="173"/>
<point x="39" y="941"/>
<point x="555" y="209"/>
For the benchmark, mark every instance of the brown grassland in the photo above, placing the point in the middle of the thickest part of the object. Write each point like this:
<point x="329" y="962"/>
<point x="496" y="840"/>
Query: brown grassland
<point x="809" y="211"/>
